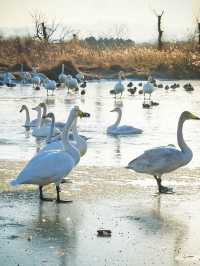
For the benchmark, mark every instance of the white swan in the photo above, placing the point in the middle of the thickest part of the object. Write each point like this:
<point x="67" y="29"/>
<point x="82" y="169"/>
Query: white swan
<point x="49" y="85"/>
<point x="49" y="166"/>
<point x="28" y="123"/>
<point x="119" y="86"/>
<point x="45" y="120"/>
<point x="80" y="77"/>
<point x="115" y="129"/>
<point x="78" y="141"/>
<point x="71" y="83"/>
<point x="42" y="130"/>
<point x="160" y="160"/>
<point x="36" y="80"/>
<point x="25" y="76"/>
<point x="62" y="77"/>
<point x="148" y="88"/>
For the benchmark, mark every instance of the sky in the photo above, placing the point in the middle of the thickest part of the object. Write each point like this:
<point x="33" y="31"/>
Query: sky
<point x="102" y="17"/>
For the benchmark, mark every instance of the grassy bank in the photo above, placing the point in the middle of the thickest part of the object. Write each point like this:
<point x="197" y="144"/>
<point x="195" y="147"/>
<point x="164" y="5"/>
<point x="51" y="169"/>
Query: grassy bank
<point x="180" y="60"/>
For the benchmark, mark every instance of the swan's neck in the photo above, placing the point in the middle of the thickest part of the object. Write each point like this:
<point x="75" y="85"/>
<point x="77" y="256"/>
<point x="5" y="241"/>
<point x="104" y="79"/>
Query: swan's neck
<point x="44" y="114"/>
<point x="27" y="122"/>
<point x="181" y="142"/>
<point x="118" y="119"/>
<point x="65" y="133"/>
<point x="51" y="130"/>
<point x="39" y="118"/>
<point x="63" y="66"/>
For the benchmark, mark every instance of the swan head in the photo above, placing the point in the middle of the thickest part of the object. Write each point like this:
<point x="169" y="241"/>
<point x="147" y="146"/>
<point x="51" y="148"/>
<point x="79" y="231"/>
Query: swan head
<point x="24" y="107"/>
<point x="116" y="109"/>
<point x="50" y="115"/>
<point x="37" y="108"/>
<point x="43" y="105"/>
<point x="186" y="115"/>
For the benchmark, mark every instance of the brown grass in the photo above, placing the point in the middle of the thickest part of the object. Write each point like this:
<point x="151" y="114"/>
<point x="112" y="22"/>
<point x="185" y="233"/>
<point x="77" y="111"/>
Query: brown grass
<point x="174" y="57"/>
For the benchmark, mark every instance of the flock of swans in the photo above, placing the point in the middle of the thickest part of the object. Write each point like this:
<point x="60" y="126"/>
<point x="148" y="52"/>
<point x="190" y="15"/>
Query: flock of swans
<point x="58" y="157"/>
<point x="64" y="146"/>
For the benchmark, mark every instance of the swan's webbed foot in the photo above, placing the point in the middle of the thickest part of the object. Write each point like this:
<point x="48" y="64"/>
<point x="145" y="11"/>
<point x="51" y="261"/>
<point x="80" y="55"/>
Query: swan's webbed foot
<point x="64" y="201"/>
<point x="42" y="197"/>
<point x="58" y="200"/>
<point x="165" y="190"/>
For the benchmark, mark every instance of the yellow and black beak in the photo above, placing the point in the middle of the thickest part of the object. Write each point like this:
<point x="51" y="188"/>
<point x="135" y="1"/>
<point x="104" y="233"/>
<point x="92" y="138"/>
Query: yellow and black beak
<point x="83" y="114"/>
<point x="195" y="117"/>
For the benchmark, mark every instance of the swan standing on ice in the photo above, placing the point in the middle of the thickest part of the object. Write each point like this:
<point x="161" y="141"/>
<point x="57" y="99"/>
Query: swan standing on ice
<point x="49" y="166"/>
<point x="62" y="77"/>
<point x="25" y="76"/>
<point x="80" y="77"/>
<point x="49" y="85"/>
<point x="115" y="129"/>
<point x="42" y="130"/>
<point x="36" y="80"/>
<point x="165" y="159"/>
<point x="119" y="86"/>
<point x="71" y="83"/>
<point x="148" y="88"/>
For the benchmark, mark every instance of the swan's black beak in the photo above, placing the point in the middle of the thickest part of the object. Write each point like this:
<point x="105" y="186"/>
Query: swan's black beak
<point x="21" y="110"/>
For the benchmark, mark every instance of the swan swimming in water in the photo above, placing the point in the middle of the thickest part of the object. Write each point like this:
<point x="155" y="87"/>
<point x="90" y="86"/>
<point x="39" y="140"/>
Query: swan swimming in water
<point x="28" y="123"/>
<point x="42" y="130"/>
<point x="165" y="159"/>
<point x="79" y="142"/>
<point x="50" y="166"/>
<point x="115" y="129"/>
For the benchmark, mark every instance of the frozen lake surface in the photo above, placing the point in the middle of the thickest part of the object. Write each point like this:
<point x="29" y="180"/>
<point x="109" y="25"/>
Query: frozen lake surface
<point x="159" y="123"/>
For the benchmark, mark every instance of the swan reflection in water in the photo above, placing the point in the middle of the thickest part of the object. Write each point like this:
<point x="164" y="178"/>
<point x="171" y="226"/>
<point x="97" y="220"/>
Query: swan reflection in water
<point x="54" y="234"/>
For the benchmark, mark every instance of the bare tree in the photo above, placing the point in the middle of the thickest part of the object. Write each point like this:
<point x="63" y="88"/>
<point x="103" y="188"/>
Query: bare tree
<point x="160" y="31"/>
<point x="49" y="31"/>
<point x="43" y="30"/>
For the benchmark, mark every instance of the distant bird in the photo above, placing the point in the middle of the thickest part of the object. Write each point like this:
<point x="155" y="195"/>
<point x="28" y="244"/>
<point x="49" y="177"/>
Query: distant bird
<point x="130" y="84"/>
<point x="165" y="159"/>
<point x="140" y="84"/>
<point x="188" y="87"/>
<point x="62" y="77"/>
<point x="160" y="86"/>
<point x="83" y="92"/>
<point x="80" y="77"/>
<point x="25" y="76"/>
<point x="140" y="92"/>
<point x="8" y="79"/>
<point x="115" y="129"/>
<point x="36" y="80"/>
<point x="167" y="87"/>
<point x="132" y="90"/>
<point x="71" y="83"/>
<point x="119" y="86"/>
<point x="148" y="89"/>
<point x="83" y="85"/>
<point x="49" y="85"/>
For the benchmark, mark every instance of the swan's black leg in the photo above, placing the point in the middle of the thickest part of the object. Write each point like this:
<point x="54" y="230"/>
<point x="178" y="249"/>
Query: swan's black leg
<point x="41" y="195"/>
<point x="162" y="189"/>
<point x="58" y="200"/>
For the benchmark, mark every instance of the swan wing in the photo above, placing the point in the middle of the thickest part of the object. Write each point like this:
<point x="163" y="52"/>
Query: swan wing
<point x="158" y="160"/>
<point x="45" y="167"/>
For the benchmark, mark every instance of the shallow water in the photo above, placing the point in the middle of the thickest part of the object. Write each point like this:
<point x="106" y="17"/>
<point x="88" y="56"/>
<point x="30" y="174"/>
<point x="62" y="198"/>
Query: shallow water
<point x="159" y="123"/>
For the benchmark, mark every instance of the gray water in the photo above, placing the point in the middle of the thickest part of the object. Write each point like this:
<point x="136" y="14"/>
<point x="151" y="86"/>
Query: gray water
<point x="159" y="123"/>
